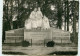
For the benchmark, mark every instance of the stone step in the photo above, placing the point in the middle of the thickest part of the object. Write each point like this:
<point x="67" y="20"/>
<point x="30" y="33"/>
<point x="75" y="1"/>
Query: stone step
<point x="53" y="33"/>
<point x="14" y="37"/>
<point x="60" y="34"/>
<point x="47" y="40"/>
<point x="37" y="41"/>
<point x="62" y="41"/>
<point x="14" y="34"/>
<point x="13" y="41"/>
<point x="60" y="37"/>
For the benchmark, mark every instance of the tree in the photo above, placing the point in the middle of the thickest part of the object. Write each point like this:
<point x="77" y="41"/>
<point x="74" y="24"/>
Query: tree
<point x="67" y="15"/>
<point x="74" y="21"/>
<point x="59" y="14"/>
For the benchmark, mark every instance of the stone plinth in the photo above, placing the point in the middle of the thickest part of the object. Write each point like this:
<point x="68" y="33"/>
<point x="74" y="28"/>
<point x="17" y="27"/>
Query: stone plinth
<point x="60" y="36"/>
<point x="14" y="36"/>
<point x="37" y="36"/>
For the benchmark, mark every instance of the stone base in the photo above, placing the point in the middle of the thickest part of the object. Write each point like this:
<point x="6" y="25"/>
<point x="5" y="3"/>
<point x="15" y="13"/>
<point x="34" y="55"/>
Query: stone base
<point x="14" y="36"/>
<point x="37" y="36"/>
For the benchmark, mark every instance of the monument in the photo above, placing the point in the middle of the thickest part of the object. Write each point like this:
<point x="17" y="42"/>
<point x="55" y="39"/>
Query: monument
<point x="37" y="31"/>
<point x="36" y="27"/>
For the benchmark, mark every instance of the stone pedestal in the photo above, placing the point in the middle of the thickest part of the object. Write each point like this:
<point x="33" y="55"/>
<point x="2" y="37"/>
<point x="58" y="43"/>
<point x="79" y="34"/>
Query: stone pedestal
<point x="14" y="36"/>
<point x="37" y="36"/>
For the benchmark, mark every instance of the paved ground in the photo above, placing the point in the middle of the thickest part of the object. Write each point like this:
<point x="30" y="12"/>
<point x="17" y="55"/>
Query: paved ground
<point x="40" y="50"/>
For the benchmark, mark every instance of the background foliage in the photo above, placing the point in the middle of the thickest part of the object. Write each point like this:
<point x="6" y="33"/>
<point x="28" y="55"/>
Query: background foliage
<point x="58" y="12"/>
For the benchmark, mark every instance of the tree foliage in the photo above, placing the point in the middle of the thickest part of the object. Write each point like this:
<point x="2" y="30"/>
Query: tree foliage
<point x="62" y="8"/>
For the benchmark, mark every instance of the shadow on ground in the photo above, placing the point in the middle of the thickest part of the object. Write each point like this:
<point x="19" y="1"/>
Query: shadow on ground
<point x="14" y="53"/>
<point x="64" y="53"/>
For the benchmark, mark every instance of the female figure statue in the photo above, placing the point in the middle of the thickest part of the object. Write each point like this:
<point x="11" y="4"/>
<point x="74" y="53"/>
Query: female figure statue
<point x="39" y="18"/>
<point x="45" y="23"/>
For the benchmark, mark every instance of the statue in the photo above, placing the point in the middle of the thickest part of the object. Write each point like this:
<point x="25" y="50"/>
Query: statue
<point x="33" y="18"/>
<point x="31" y="22"/>
<point x="37" y="20"/>
<point x="45" y="23"/>
<point x="28" y="24"/>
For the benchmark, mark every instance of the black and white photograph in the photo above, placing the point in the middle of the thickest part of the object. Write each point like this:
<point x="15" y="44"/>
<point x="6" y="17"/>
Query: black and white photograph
<point x="40" y="27"/>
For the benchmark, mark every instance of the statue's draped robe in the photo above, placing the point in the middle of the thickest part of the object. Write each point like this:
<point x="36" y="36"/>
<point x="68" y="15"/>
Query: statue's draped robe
<point x="28" y="24"/>
<point x="45" y="23"/>
<point x="33" y="18"/>
<point x="32" y="21"/>
<point x="39" y="19"/>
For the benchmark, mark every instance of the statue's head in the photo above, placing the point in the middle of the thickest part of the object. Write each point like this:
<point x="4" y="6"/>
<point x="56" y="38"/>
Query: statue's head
<point x="38" y="8"/>
<point x="35" y="9"/>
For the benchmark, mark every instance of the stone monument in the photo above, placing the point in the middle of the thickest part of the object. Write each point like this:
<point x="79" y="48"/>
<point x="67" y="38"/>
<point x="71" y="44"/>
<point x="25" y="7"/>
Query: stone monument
<point x="37" y="31"/>
<point x="37" y="27"/>
<point x="45" y="32"/>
